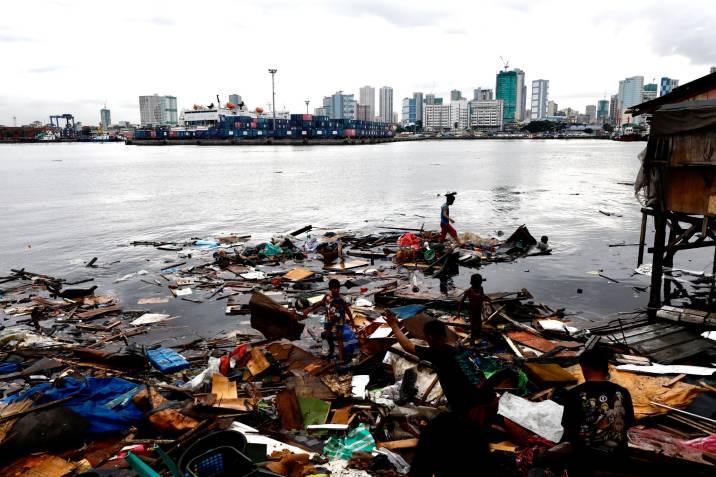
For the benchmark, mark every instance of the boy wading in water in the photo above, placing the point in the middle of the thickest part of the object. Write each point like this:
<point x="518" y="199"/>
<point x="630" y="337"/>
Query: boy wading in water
<point x="445" y="220"/>
<point x="476" y="296"/>
<point x="336" y="311"/>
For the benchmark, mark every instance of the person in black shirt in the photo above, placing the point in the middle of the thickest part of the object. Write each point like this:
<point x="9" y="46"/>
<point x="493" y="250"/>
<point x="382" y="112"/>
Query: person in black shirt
<point x="446" y="442"/>
<point x="597" y="415"/>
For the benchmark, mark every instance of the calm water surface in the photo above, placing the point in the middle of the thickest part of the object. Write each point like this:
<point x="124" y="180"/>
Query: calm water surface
<point x="62" y="204"/>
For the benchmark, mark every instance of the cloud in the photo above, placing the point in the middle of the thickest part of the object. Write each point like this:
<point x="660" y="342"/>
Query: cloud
<point x="10" y="38"/>
<point x="45" y="69"/>
<point x="161" y="21"/>
<point x="399" y="15"/>
<point x="693" y="38"/>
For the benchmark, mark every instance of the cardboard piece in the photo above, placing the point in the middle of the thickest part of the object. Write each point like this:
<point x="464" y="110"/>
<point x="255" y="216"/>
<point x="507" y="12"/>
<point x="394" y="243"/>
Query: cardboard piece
<point x="258" y="362"/>
<point x="289" y="410"/>
<point x="298" y="274"/>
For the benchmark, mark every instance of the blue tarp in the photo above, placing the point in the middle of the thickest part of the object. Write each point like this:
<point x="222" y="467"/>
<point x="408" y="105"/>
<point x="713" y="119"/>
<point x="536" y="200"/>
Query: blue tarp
<point x="92" y="395"/>
<point x="407" y="311"/>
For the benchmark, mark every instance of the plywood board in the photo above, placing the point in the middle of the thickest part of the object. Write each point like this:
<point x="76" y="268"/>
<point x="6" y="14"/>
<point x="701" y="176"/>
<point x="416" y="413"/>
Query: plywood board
<point x="348" y="264"/>
<point x="298" y="274"/>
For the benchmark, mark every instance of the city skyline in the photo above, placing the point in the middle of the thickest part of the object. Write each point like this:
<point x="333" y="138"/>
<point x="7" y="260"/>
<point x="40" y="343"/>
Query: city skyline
<point x="149" y="51"/>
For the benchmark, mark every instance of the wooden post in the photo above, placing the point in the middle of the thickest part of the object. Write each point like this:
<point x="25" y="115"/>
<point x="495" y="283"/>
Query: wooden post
<point x="642" y="238"/>
<point x="657" y="265"/>
<point x="674" y="233"/>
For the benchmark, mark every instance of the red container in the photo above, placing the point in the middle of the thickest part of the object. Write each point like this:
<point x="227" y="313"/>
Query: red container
<point x="153" y="134"/>
<point x="307" y="117"/>
<point x="350" y="133"/>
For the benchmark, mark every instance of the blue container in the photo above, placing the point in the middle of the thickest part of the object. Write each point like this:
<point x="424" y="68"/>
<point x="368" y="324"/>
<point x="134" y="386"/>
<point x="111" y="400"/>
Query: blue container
<point x="167" y="360"/>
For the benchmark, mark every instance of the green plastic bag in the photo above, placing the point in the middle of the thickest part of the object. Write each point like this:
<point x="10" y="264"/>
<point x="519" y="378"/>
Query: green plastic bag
<point x="271" y="250"/>
<point x="357" y="440"/>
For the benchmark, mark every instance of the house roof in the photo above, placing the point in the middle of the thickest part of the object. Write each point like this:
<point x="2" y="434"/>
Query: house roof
<point x="678" y="94"/>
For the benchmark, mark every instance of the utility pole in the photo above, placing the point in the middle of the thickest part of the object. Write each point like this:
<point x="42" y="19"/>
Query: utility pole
<point x="307" y="101"/>
<point x="273" y="95"/>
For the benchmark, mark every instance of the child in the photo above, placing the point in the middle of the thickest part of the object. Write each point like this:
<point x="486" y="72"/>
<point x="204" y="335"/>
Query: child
<point x="542" y="245"/>
<point x="477" y="297"/>
<point x="336" y="311"/>
<point x="445" y="220"/>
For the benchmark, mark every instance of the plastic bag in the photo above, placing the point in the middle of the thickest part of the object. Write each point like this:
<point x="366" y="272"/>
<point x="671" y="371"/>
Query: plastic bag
<point x="271" y="250"/>
<point x="409" y="240"/>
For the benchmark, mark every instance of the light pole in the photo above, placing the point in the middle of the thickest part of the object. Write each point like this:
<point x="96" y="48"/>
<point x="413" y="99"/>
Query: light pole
<point x="307" y="101"/>
<point x="273" y="94"/>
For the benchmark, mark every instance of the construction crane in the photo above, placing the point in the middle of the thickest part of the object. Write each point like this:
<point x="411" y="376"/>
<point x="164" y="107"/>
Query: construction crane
<point x="505" y="63"/>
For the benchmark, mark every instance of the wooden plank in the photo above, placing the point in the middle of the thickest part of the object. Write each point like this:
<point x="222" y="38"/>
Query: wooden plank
<point x="400" y="444"/>
<point x="532" y="341"/>
<point x="288" y="410"/>
<point x="676" y="353"/>
<point x="673" y="381"/>
<point x="662" y="342"/>
<point x="91" y="314"/>
<point x="634" y="340"/>
<point x="628" y="333"/>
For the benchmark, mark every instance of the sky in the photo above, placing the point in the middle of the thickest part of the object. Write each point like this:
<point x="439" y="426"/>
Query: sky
<point x="76" y="56"/>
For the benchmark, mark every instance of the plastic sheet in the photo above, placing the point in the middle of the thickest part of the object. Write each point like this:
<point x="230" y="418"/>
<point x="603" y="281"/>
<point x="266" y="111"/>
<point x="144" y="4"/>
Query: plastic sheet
<point x="91" y="397"/>
<point x="543" y="418"/>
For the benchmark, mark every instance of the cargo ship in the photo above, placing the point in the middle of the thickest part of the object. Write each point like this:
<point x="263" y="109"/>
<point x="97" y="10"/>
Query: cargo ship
<point x="233" y="125"/>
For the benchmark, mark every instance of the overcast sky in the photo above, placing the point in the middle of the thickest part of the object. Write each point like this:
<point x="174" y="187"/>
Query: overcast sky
<point x="73" y="56"/>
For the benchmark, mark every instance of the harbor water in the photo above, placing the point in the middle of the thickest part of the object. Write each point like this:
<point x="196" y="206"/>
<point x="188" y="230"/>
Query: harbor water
<point x="62" y="204"/>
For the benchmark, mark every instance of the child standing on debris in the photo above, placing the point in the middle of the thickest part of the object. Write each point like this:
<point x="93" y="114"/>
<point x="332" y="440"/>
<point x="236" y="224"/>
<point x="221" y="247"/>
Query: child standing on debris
<point x="446" y="220"/>
<point x="476" y="296"/>
<point x="336" y="312"/>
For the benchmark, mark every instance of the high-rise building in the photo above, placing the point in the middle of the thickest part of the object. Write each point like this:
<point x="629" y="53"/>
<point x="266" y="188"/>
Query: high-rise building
<point x="613" y="109"/>
<point x="342" y="106"/>
<point x="482" y="94"/>
<point x="510" y="88"/>
<point x="485" y="115"/>
<point x="363" y="113"/>
<point x="631" y="93"/>
<point x="459" y="114"/>
<point x="385" y="104"/>
<point x="540" y="98"/>
<point x="409" y="111"/>
<point x="602" y="111"/>
<point x="418" y="97"/>
<point x="667" y="84"/>
<point x="436" y="117"/>
<point x="429" y="99"/>
<point x="649" y="92"/>
<point x="367" y="98"/>
<point x="552" y="108"/>
<point x="326" y="108"/>
<point x="158" y="110"/>
<point x="235" y="99"/>
<point x="591" y="114"/>
<point x="456" y="95"/>
<point x="105" y="118"/>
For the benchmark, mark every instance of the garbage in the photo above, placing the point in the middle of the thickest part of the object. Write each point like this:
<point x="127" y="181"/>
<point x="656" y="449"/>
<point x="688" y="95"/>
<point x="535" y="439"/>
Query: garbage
<point x="543" y="418"/>
<point x="166" y="360"/>
<point x="240" y="375"/>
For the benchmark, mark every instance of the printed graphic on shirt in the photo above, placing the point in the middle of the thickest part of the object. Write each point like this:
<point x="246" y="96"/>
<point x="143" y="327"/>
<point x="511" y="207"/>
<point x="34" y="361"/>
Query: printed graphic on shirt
<point x="603" y="420"/>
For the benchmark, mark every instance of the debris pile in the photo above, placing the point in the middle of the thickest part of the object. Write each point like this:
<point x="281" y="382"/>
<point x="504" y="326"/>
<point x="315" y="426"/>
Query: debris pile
<point x="88" y="387"/>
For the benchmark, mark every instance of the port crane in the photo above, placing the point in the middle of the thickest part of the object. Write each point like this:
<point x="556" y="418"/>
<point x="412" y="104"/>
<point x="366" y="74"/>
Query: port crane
<point x="69" y="129"/>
